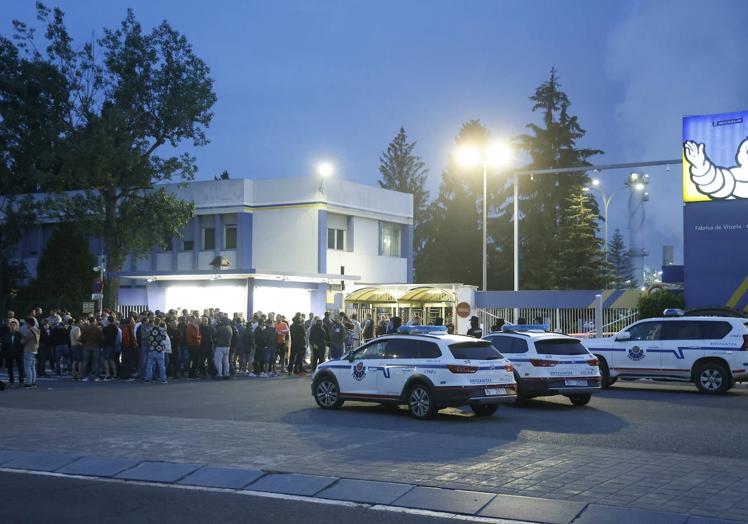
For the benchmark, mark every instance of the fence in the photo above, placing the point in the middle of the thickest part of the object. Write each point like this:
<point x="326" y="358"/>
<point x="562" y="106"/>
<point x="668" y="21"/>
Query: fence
<point x="126" y="310"/>
<point x="576" y="321"/>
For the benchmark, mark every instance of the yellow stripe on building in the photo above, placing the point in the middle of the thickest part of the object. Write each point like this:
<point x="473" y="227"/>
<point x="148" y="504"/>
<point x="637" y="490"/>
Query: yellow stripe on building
<point x="742" y="288"/>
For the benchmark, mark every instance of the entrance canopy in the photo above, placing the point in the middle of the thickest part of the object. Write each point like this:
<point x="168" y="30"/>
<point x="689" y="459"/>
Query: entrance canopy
<point x="403" y="294"/>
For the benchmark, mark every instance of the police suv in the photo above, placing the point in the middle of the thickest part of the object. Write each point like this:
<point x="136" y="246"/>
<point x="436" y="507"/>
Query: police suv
<point x="422" y="367"/>
<point x="709" y="351"/>
<point x="548" y="364"/>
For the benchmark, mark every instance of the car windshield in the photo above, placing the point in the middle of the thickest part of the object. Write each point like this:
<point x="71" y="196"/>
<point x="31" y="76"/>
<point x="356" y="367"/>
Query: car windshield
<point x="560" y="346"/>
<point x="478" y="350"/>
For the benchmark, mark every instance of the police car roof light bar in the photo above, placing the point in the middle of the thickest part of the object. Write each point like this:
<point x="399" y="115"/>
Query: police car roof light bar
<point x="422" y="330"/>
<point x="525" y="327"/>
<point x="673" y="312"/>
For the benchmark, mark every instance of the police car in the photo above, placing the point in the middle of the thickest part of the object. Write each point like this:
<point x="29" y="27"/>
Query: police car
<point x="548" y="364"/>
<point x="712" y="352"/>
<point x="422" y="367"/>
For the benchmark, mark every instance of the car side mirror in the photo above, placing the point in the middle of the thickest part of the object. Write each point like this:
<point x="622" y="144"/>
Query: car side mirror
<point x="622" y="336"/>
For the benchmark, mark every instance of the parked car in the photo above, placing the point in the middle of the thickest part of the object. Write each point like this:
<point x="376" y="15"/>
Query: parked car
<point x="422" y="367"/>
<point x="547" y="364"/>
<point x="711" y="352"/>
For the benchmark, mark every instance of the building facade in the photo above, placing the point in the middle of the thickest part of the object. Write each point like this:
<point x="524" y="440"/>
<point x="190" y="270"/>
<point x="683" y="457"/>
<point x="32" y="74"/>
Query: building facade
<point x="287" y="245"/>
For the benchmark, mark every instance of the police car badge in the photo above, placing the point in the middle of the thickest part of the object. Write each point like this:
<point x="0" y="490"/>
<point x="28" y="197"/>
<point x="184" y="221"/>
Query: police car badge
<point x="636" y="353"/>
<point x="359" y="371"/>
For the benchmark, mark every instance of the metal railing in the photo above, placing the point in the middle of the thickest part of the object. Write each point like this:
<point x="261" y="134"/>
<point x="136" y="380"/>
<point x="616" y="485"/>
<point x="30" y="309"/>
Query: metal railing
<point x="574" y="321"/>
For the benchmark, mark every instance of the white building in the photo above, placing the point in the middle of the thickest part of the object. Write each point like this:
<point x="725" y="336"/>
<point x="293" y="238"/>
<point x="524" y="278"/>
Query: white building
<point x="289" y="243"/>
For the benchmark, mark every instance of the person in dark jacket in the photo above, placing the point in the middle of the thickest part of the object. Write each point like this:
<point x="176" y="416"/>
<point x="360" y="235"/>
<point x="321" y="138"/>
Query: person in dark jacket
<point x="59" y="342"/>
<point x="206" y="348"/>
<point x="111" y="333"/>
<point x="269" y="345"/>
<point x="12" y="351"/>
<point x="475" y="330"/>
<point x="317" y="341"/>
<point x="298" y="347"/>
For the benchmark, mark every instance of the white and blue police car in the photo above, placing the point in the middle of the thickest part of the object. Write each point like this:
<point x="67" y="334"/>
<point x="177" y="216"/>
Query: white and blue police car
<point x="548" y="364"/>
<point x="711" y="352"/>
<point x="422" y="367"/>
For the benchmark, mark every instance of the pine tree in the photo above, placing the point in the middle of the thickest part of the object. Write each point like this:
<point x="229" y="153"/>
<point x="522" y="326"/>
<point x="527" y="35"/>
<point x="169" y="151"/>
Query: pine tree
<point x="543" y="198"/>
<point x="452" y="232"/>
<point x="580" y="263"/>
<point x="402" y="170"/>
<point x="620" y="264"/>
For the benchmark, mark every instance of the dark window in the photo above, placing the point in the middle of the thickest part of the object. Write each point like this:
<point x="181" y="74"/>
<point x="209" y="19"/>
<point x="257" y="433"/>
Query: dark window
<point x="501" y="342"/>
<point x="336" y="239"/>
<point x="478" y="350"/>
<point x="519" y="345"/>
<point x="428" y="350"/>
<point x="560" y="346"/>
<point x="713" y="330"/>
<point x="646" y="331"/>
<point x="209" y="238"/>
<point x="679" y="330"/>
<point x="188" y="245"/>
<point x="401" y="348"/>
<point x="230" y="238"/>
<point x="371" y="351"/>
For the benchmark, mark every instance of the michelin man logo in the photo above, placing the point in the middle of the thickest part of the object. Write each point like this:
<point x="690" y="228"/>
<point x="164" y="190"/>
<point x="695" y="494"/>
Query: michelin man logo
<point x="718" y="183"/>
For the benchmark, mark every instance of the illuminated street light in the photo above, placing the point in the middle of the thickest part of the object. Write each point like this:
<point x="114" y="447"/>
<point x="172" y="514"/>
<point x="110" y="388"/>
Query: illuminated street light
<point x="325" y="169"/>
<point x="639" y="186"/>
<point x="495" y="154"/>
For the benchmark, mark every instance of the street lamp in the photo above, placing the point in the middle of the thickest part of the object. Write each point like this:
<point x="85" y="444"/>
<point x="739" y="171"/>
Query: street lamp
<point x="496" y="154"/>
<point x="606" y="203"/>
<point x="324" y="170"/>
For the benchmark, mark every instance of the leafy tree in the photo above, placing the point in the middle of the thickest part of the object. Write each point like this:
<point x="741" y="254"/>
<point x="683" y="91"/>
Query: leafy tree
<point x="64" y="269"/>
<point x="452" y="237"/>
<point x="620" y="264"/>
<point x="105" y="118"/>
<point x="402" y="170"/>
<point x="653" y="304"/>
<point x="543" y="198"/>
<point x="223" y="176"/>
<point x="581" y="262"/>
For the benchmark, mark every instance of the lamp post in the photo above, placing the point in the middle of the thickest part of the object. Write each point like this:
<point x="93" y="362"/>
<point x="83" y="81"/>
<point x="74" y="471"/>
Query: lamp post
<point x="324" y="170"/>
<point x="606" y="203"/>
<point x="496" y="154"/>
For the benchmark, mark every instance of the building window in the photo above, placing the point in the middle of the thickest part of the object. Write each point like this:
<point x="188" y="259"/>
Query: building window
<point x="188" y="245"/>
<point x="229" y="236"/>
<point x="390" y="241"/>
<point x="336" y="239"/>
<point x="209" y="238"/>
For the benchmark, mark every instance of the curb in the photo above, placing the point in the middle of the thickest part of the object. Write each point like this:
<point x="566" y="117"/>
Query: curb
<point x="473" y="506"/>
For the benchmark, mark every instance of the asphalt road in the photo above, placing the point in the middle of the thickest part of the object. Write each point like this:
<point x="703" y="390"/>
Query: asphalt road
<point x="42" y="499"/>
<point x="637" y="416"/>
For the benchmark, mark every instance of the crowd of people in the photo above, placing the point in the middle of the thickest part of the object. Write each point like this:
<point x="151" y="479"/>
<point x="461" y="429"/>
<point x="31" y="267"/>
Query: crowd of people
<point x="179" y="344"/>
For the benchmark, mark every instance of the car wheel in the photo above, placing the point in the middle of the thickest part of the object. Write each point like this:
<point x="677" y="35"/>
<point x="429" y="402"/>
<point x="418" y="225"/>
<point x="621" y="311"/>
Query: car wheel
<point x="605" y="380"/>
<point x="712" y="378"/>
<point x="327" y="393"/>
<point x="580" y="399"/>
<point x="420" y="401"/>
<point x="484" y="410"/>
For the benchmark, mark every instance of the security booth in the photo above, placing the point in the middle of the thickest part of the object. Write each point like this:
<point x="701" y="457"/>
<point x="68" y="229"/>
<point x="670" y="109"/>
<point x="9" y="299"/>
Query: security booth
<point x="408" y="301"/>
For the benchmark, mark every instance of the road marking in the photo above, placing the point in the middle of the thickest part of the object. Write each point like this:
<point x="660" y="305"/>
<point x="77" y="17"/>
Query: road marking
<point x="279" y="496"/>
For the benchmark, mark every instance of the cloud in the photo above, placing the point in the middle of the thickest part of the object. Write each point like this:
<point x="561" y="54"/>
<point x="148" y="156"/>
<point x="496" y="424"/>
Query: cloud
<point x="670" y="59"/>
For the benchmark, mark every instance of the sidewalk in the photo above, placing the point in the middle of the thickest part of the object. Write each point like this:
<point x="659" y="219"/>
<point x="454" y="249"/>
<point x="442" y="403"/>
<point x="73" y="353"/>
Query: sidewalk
<point x="586" y="476"/>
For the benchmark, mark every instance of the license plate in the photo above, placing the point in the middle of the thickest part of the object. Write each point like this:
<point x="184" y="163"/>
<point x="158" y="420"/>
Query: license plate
<point x="495" y="391"/>
<point x="576" y="382"/>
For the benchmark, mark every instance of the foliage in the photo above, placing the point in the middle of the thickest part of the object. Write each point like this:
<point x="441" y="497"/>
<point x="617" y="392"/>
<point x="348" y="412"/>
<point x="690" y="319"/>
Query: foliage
<point x="452" y="237"/>
<point x="402" y="170"/>
<point x="224" y="175"/>
<point x="544" y="198"/>
<point x="64" y="270"/>
<point x="104" y="118"/>
<point x="653" y="304"/>
<point x="581" y="262"/>
<point x="620" y="264"/>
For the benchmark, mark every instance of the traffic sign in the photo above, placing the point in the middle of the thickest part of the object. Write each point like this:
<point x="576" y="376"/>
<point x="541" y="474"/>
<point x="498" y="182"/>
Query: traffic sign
<point x="97" y="296"/>
<point x="88" y="307"/>
<point x="463" y="310"/>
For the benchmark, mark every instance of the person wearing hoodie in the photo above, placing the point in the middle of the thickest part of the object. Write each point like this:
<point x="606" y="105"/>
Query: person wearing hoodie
<point x="59" y="341"/>
<point x="222" y="339"/>
<point x="30" y="348"/>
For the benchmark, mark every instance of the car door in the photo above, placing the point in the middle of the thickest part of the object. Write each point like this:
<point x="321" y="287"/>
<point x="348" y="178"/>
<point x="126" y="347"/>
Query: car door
<point x="680" y="347"/>
<point x="361" y="376"/>
<point x="639" y="354"/>
<point x="514" y="350"/>
<point x="399" y="363"/>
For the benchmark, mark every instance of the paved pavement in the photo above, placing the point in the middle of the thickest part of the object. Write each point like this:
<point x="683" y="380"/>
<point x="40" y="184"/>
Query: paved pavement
<point x="662" y="448"/>
<point x="21" y="500"/>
